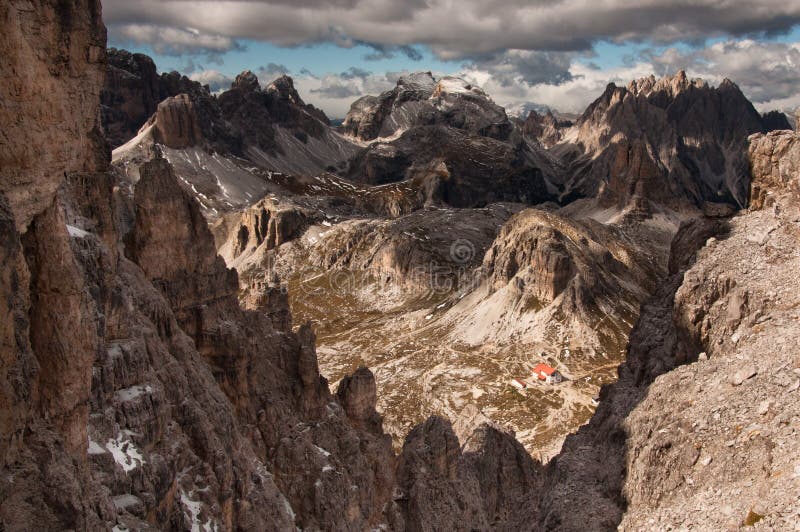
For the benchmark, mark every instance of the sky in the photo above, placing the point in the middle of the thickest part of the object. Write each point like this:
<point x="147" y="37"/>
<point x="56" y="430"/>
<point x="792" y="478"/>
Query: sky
<point x="556" y="53"/>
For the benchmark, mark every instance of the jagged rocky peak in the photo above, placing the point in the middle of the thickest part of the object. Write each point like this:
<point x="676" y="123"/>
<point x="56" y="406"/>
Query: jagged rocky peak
<point x="776" y="120"/>
<point x="284" y="88"/>
<point x="418" y="100"/>
<point x="671" y="141"/>
<point x="44" y="71"/>
<point x="358" y="395"/>
<point x="672" y="84"/>
<point x="132" y="91"/>
<point x="246" y="81"/>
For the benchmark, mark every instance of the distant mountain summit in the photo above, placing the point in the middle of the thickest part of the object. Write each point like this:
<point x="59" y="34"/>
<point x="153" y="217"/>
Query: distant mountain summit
<point x="671" y="141"/>
<point x="420" y="100"/>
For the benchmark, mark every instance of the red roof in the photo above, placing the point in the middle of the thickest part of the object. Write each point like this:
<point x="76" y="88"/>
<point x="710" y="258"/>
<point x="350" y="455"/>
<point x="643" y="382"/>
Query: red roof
<point x="543" y="369"/>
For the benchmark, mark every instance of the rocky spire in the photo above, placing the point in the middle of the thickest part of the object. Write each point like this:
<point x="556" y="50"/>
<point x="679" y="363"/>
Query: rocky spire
<point x="246" y="81"/>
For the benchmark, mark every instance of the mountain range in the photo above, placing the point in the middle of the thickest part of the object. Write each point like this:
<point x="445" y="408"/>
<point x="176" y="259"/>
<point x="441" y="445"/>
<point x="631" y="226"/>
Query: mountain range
<point x="222" y="312"/>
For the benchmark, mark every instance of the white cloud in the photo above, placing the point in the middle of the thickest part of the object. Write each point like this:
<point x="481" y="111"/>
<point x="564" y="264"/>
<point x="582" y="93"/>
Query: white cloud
<point x="584" y="85"/>
<point x="216" y="80"/>
<point x="334" y="93"/>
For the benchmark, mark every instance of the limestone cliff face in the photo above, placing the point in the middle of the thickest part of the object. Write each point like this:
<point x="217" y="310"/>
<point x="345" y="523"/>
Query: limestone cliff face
<point x="264" y="226"/>
<point x="56" y="52"/>
<point x="176" y="124"/>
<point x="134" y="391"/>
<point x="775" y="167"/>
<point x="52" y="62"/>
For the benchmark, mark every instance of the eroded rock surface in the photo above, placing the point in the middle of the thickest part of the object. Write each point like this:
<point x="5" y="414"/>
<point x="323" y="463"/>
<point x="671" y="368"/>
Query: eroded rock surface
<point x="775" y="167"/>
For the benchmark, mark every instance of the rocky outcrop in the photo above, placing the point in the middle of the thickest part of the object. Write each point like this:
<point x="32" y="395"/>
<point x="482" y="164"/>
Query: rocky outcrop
<point x="543" y="261"/>
<point x="135" y="96"/>
<point x="253" y="111"/>
<point x="367" y="115"/>
<point x="774" y="166"/>
<point x="183" y="113"/>
<point x="134" y="89"/>
<point x="176" y="124"/>
<point x="358" y="395"/>
<point x="266" y="223"/>
<point x="450" y="141"/>
<point x="172" y="244"/>
<point x="271" y="127"/>
<point x="437" y="489"/>
<point x="486" y="485"/>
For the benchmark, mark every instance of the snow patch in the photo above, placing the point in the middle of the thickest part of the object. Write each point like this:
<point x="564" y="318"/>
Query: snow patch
<point x="323" y="452"/>
<point x="76" y="232"/>
<point x="125" y="453"/>
<point x="132" y="144"/>
<point x="125" y="500"/>
<point x="95" y="448"/>
<point x="195" y="508"/>
<point x="129" y="394"/>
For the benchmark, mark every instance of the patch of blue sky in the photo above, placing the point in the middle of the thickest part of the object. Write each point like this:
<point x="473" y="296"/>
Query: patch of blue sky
<point x="319" y="59"/>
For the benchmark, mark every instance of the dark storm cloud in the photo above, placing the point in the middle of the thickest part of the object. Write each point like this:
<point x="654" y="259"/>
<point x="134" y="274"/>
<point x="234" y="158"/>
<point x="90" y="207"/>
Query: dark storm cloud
<point x="381" y="51"/>
<point x="355" y="72"/>
<point x="462" y="30"/>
